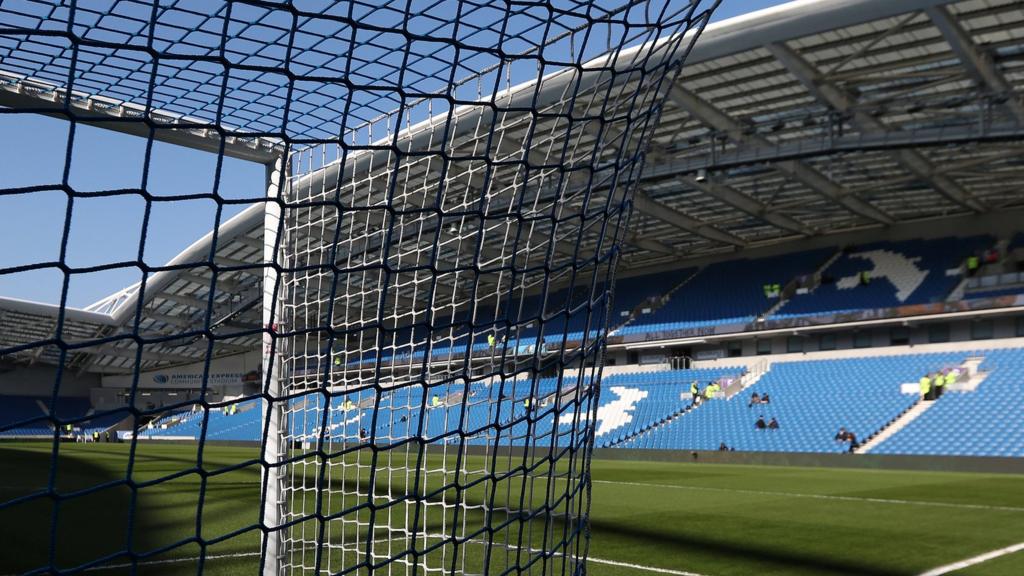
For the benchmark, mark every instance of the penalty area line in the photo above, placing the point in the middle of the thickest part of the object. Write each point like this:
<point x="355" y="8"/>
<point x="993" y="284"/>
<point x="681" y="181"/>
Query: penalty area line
<point x="642" y="568"/>
<point x="974" y="560"/>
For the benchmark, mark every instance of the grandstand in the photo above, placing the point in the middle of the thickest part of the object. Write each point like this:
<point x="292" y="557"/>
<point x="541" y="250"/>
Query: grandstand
<point x="475" y="262"/>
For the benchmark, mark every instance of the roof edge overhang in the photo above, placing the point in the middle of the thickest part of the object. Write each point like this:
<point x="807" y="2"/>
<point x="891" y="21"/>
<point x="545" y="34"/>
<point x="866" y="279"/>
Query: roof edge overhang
<point x="198" y="254"/>
<point x="793" y="20"/>
<point x="53" y="311"/>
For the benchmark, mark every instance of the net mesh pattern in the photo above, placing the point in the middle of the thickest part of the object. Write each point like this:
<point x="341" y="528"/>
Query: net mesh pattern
<point x="413" y="308"/>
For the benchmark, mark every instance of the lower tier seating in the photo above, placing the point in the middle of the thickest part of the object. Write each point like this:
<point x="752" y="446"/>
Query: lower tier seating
<point x="983" y="422"/>
<point x="811" y="400"/>
<point x="30" y="416"/>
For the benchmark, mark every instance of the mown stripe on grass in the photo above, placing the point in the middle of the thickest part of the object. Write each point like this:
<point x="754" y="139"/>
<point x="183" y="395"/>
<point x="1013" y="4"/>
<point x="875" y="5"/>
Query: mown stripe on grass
<point x="818" y="496"/>
<point x="974" y="560"/>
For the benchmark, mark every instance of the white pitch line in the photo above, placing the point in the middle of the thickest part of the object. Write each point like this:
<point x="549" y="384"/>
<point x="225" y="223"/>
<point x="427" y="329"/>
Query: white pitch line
<point x="171" y="561"/>
<point x="974" y="560"/>
<point x="642" y="568"/>
<point x="820" y="496"/>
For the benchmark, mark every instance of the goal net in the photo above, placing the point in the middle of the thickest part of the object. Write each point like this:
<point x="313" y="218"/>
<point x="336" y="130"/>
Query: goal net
<point x="448" y="188"/>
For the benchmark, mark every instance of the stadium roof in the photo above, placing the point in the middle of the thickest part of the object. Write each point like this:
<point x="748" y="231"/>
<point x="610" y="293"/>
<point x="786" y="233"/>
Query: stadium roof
<point x="811" y="118"/>
<point x="818" y="117"/>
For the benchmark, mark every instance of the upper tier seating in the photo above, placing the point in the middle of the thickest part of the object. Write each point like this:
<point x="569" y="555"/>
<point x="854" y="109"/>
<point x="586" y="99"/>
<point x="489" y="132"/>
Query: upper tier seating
<point x="985" y="422"/>
<point x="909" y="272"/>
<point x="634" y="291"/>
<point x="811" y="401"/>
<point x="728" y="292"/>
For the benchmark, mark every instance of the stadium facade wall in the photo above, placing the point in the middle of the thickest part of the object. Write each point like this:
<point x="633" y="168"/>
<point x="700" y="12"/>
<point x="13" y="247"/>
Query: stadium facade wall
<point x="1002" y="343"/>
<point x="228" y="373"/>
<point x="228" y="376"/>
<point x="972" y="332"/>
<point x="38" y="381"/>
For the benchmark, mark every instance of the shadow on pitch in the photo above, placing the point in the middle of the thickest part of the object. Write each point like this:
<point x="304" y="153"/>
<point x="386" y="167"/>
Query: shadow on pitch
<point x="697" y="544"/>
<point x="74" y="523"/>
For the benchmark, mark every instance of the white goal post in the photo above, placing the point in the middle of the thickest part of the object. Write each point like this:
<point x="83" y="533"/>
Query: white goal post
<point x="437" y="306"/>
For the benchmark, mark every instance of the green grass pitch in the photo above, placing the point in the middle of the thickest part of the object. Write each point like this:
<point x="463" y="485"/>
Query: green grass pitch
<point x="707" y="519"/>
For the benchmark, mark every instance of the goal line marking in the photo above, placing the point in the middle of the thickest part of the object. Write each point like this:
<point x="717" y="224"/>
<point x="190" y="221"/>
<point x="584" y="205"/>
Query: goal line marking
<point x="974" y="560"/>
<point x="819" y="496"/>
<point x="640" y="567"/>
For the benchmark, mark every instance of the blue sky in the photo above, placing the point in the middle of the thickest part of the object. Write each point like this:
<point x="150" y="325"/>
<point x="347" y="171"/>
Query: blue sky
<point x="106" y="230"/>
<point x="730" y="8"/>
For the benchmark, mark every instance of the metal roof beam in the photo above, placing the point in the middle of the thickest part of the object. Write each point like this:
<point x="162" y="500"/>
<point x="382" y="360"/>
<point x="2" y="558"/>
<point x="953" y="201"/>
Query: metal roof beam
<point x="840" y="100"/>
<point x="756" y="208"/>
<point x="131" y="353"/>
<point x="45" y="98"/>
<point x="709" y="114"/>
<point x="223" y="284"/>
<point x="650" y="244"/>
<point x="754" y="153"/>
<point x="190" y="301"/>
<point x="978" y="63"/>
<point x="247" y="241"/>
<point x="820" y="182"/>
<point x="242" y="266"/>
<point x="646" y="205"/>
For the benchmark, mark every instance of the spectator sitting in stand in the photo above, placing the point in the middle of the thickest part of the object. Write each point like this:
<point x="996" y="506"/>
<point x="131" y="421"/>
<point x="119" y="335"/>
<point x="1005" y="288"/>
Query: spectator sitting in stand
<point x="722" y="447"/>
<point x="755" y="398"/>
<point x="845" y="435"/>
<point x="853" y="441"/>
<point x="774" y="424"/>
<point x="760" y="424"/>
<point x="765" y="399"/>
<point x="840" y="436"/>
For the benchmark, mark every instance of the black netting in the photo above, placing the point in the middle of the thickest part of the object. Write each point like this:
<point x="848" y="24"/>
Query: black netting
<point x="386" y="354"/>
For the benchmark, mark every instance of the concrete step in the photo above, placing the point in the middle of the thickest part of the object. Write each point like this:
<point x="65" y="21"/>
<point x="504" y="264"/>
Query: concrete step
<point x="753" y="375"/>
<point x="909" y="416"/>
<point x="975" y="376"/>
